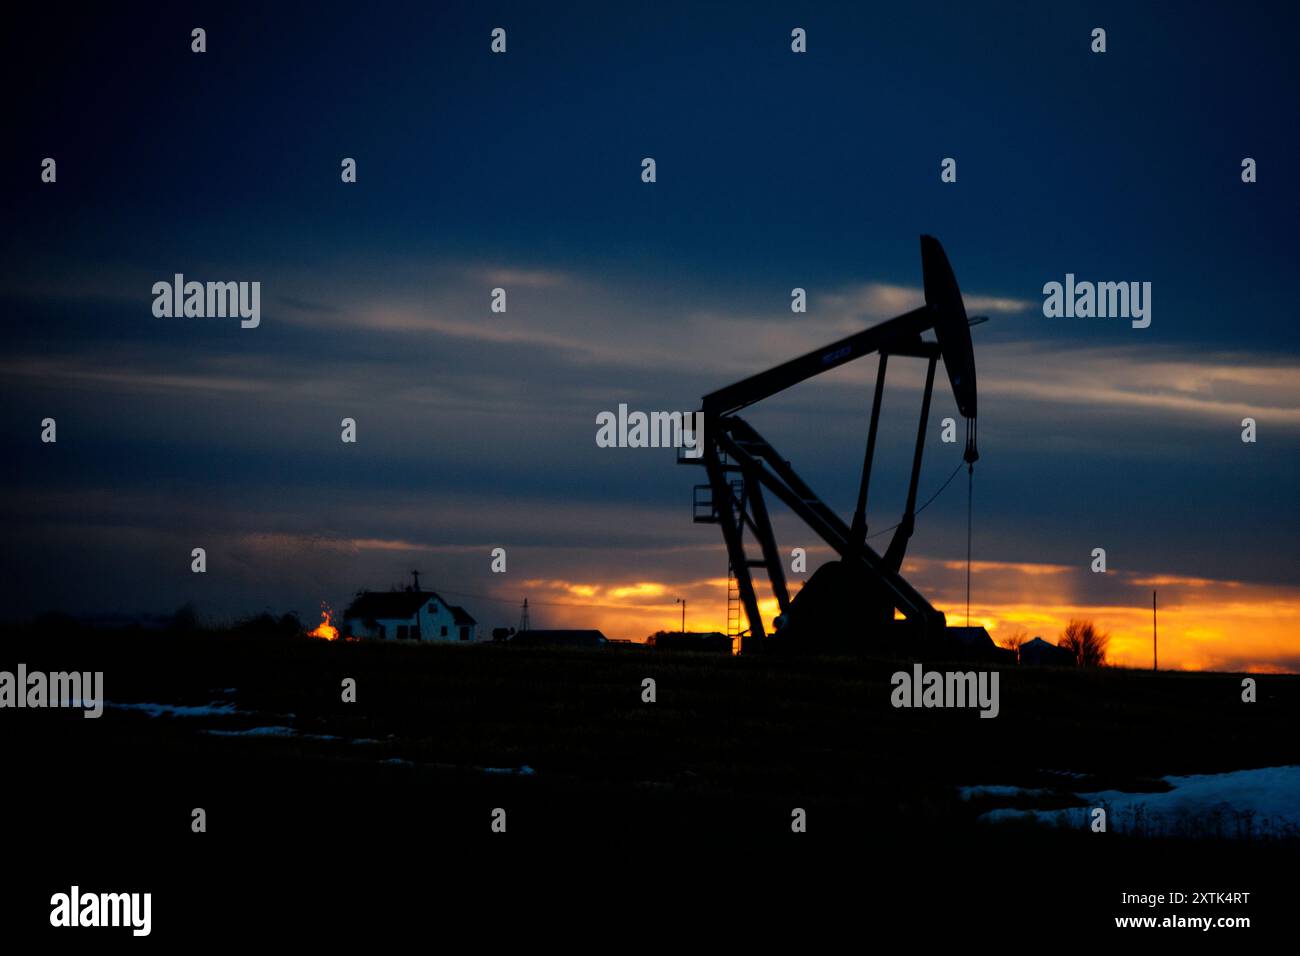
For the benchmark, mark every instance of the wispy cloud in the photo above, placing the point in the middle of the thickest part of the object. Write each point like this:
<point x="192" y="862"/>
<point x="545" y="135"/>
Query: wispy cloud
<point x="517" y="278"/>
<point x="880" y="300"/>
<point x="306" y="305"/>
<point x="76" y="371"/>
<point x="580" y="322"/>
<point x="1183" y="383"/>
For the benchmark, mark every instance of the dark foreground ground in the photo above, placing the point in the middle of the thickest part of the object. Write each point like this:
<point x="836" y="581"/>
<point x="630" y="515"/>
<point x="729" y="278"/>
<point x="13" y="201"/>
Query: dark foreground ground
<point x="374" y="817"/>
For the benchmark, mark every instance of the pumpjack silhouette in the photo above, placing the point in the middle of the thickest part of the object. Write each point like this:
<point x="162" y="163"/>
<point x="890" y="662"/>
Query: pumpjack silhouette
<point x="863" y="593"/>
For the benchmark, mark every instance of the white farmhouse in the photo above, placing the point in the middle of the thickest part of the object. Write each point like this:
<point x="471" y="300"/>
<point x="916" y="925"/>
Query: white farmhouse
<point x="407" y="615"/>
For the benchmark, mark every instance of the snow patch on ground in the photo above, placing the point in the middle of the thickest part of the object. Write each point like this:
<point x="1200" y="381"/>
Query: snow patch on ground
<point x="214" y="709"/>
<point x="524" y="771"/>
<point x="271" y="732"/>
<point x="255" y="732"/>
<point x="974" y="793"/>
<point x="1241" y="803"/>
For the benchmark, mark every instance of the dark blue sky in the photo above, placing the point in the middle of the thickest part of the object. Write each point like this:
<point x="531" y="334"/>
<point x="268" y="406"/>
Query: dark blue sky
<point x="771" y="164"/>
<point x="774" y="171"/>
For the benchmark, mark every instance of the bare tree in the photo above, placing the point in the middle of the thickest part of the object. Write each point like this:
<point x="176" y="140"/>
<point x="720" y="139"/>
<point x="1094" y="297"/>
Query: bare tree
<point x="1085" y="642"/>
<point x="1016" y="638"/>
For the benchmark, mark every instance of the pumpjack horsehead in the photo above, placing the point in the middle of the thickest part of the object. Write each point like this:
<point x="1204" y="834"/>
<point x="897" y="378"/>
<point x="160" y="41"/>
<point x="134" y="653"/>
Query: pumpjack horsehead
<point x="861" y="591"/>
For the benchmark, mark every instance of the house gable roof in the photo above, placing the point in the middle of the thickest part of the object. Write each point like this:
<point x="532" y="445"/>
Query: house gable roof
<point x="970" y="636"/>
<point x="377" y="605"/>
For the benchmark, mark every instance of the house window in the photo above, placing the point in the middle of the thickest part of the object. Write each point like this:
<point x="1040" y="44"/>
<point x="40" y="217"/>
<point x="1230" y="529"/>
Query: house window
<point x="383" y="631"/>
<point x="402" y="630"/>
<point x="444" y="630"/>
<point x="433" y="607"/>
<point x="464" y="633"/>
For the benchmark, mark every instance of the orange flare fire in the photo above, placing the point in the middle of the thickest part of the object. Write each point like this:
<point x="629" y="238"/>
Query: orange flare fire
<point x="325" y="630"/>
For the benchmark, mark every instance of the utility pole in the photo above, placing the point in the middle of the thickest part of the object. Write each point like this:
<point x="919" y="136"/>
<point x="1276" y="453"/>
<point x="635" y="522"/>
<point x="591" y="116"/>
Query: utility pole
<point x="682" y="602"/>
<point x="1155" y="659"/>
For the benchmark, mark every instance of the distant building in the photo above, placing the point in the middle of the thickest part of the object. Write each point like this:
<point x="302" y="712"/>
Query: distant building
<point x="409" y="615"/>
<point x="1041" y="653"/>
<point x="976" y="644"/>
<point x="559" y="638"/>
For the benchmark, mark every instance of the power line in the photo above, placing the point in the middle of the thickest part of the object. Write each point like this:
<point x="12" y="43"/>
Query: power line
<point x="924" y="506"/>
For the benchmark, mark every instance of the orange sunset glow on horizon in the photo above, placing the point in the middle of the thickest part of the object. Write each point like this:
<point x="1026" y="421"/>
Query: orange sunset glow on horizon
<point x="1203" y="624"/>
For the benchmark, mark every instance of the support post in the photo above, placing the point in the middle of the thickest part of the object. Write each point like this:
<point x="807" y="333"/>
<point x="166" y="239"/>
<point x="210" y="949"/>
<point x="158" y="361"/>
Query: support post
<point x="766" y="540"/>
<point x="898" y="544"/>
<point x="731" y="531"/>
<point x="858" y="531"/>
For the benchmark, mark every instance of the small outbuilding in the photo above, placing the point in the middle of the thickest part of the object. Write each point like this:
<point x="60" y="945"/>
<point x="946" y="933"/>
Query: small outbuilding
<point x="974" y="643"/>
<point x="1041" y="653"/>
